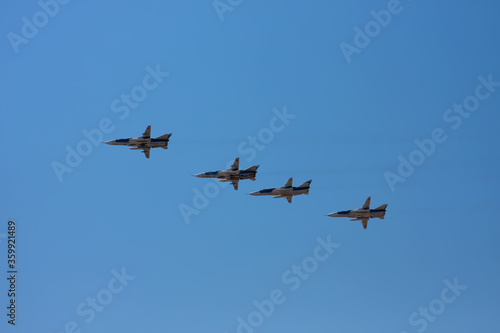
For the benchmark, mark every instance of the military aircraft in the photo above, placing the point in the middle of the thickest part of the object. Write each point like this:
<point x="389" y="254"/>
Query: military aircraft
<point x="144" y="142"/>
<point x="233" y="175"/>
<point x="362" y="214"/>
<point x="287" y="191"/>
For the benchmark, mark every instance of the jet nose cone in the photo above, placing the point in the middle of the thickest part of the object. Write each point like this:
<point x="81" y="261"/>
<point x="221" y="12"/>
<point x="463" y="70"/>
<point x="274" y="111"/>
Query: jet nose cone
<point x="110" y="142"/>
<point x="199" y="175"/>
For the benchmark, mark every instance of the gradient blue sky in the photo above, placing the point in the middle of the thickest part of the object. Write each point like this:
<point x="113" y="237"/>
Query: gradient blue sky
<point x="118" y="210"/>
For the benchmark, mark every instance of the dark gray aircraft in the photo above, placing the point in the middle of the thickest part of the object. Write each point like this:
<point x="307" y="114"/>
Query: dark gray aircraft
<point x="287" y="191"/>
<point x="362" y="214"/>
<point x="144" y="142"/>
<point x="233" y="175"/>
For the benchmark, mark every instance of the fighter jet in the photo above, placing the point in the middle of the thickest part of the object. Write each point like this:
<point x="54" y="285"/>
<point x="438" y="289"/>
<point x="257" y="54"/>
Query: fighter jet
<point x="233" y="175"/>
<point x="362" y="214"/>
<point x="287" y="191"/>
<point x="144" y="142"/>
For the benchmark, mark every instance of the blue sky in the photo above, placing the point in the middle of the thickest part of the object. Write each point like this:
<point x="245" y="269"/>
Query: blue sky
<point x="102" y="243"/>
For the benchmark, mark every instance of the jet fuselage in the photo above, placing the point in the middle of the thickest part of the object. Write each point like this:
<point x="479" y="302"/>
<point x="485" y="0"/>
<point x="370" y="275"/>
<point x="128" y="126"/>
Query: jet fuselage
<point x="288" y="191"/>
<point x="144" y="142"/>
<point x="363" y="214"/>
<point x="139" y="142"/>
<point x="233" y="175"/>
<point x="228" y="174"/>
<point x="282" y="191"/>
<point x="359" y="213"/>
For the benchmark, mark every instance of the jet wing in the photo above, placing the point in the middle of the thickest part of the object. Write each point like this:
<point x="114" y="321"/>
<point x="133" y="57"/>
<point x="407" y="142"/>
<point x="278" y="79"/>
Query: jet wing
<point x="363" y="220"/>
<point x="288" y="197"/>
<point x="147" y="133"/>
<point x="367" y="203"/>
<point x="236" y="164"/>
<point x="146" y="151"/>
<point x="235" y="184"/>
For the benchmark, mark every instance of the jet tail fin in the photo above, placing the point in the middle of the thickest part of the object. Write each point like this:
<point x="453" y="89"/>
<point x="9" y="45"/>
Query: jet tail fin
<point x="164" y="136"/>
<point x="306" y="184"/>
<point x="253" y="168"/>
<point x="381" y="207"/>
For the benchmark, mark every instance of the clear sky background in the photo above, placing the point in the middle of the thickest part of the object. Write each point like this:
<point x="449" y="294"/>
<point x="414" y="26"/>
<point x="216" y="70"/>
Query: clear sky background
<point x="349" y="124"/>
